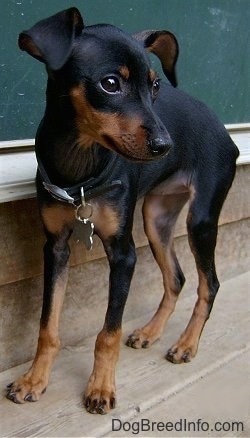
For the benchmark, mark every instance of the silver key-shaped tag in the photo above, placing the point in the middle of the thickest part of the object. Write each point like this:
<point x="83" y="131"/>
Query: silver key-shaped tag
<point x="83" y="232"/>
<point x="84" y="228"/>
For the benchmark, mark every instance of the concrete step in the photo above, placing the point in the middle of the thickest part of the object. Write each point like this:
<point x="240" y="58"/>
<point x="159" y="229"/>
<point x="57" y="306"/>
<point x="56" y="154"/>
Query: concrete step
<point x="214" y="387"/>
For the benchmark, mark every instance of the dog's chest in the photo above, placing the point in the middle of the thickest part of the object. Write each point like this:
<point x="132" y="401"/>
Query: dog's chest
<point x="98" y="218"/>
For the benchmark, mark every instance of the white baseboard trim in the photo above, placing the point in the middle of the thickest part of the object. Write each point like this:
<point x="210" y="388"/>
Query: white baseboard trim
<point x="18" y="163"/>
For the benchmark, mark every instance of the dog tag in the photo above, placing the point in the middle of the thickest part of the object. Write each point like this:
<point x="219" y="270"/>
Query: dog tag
<point x="84" y="228"/>
<point x="83" y="232"/>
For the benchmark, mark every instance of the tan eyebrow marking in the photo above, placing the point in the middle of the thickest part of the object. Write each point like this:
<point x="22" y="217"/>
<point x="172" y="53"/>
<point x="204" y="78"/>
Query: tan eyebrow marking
<point x="152" y="75"/>
<point x="124" y="72"/>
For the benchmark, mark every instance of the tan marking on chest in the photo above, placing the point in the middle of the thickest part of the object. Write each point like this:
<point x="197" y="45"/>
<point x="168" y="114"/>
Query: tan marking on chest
<point x="56" y="217"/>
<point x="106" y="220"/>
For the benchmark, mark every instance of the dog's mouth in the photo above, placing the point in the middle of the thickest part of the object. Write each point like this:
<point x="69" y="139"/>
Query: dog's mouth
<point x="131" y="154"/>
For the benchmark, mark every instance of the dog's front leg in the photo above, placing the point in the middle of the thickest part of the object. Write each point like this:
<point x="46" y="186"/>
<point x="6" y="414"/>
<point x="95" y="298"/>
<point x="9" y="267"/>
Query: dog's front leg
<point x="56" y="253"/>
<point x="100" y="392"/>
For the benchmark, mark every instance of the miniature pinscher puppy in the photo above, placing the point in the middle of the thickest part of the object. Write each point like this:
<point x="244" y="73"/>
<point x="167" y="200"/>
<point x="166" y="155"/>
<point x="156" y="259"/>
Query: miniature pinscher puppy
<point x="111" y="133"/>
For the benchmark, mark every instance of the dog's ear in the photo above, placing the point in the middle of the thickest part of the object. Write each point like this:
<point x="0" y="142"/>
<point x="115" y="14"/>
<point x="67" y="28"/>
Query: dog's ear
<point x="165" y="46"/>
<point x="50" y="40"/>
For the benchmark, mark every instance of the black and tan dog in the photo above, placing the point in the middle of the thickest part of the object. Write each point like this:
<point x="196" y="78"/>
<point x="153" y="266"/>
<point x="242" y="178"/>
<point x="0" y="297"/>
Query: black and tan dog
<point x="106" y="121"/>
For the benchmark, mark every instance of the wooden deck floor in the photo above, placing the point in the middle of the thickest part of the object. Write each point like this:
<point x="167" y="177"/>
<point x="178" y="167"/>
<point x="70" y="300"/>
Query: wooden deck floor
<point x="215" y="387"/>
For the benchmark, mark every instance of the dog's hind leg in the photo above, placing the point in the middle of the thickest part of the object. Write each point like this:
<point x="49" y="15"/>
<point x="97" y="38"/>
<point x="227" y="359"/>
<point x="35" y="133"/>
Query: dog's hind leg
<point x="202" y="225"/>
<point x="56" y="253"/>
<point x="160" y="213"/>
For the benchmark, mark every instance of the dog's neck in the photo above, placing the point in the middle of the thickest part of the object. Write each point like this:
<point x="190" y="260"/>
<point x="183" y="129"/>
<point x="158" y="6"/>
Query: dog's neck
<point x="68" y="163"/>
<point x="77" y="163"/>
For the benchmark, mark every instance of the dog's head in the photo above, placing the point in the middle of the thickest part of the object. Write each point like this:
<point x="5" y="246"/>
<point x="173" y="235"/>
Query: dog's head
<point x="106" y="75"/>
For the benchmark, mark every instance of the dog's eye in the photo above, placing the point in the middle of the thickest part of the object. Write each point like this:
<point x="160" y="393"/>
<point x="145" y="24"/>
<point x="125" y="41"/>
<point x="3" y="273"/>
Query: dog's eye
<point x="156" y="86"/>
<point x="110" y="84"/>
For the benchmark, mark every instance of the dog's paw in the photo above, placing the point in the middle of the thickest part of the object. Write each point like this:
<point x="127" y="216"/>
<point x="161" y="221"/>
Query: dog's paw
<point x="141" y="339"/>
<point x="181" y="352"/>
<point x="99" y="399"/>
<point x="24" y="389"/>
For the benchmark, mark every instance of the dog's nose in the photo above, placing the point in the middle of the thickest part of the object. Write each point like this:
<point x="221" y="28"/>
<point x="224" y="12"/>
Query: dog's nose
<point x="159" y="146"/>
